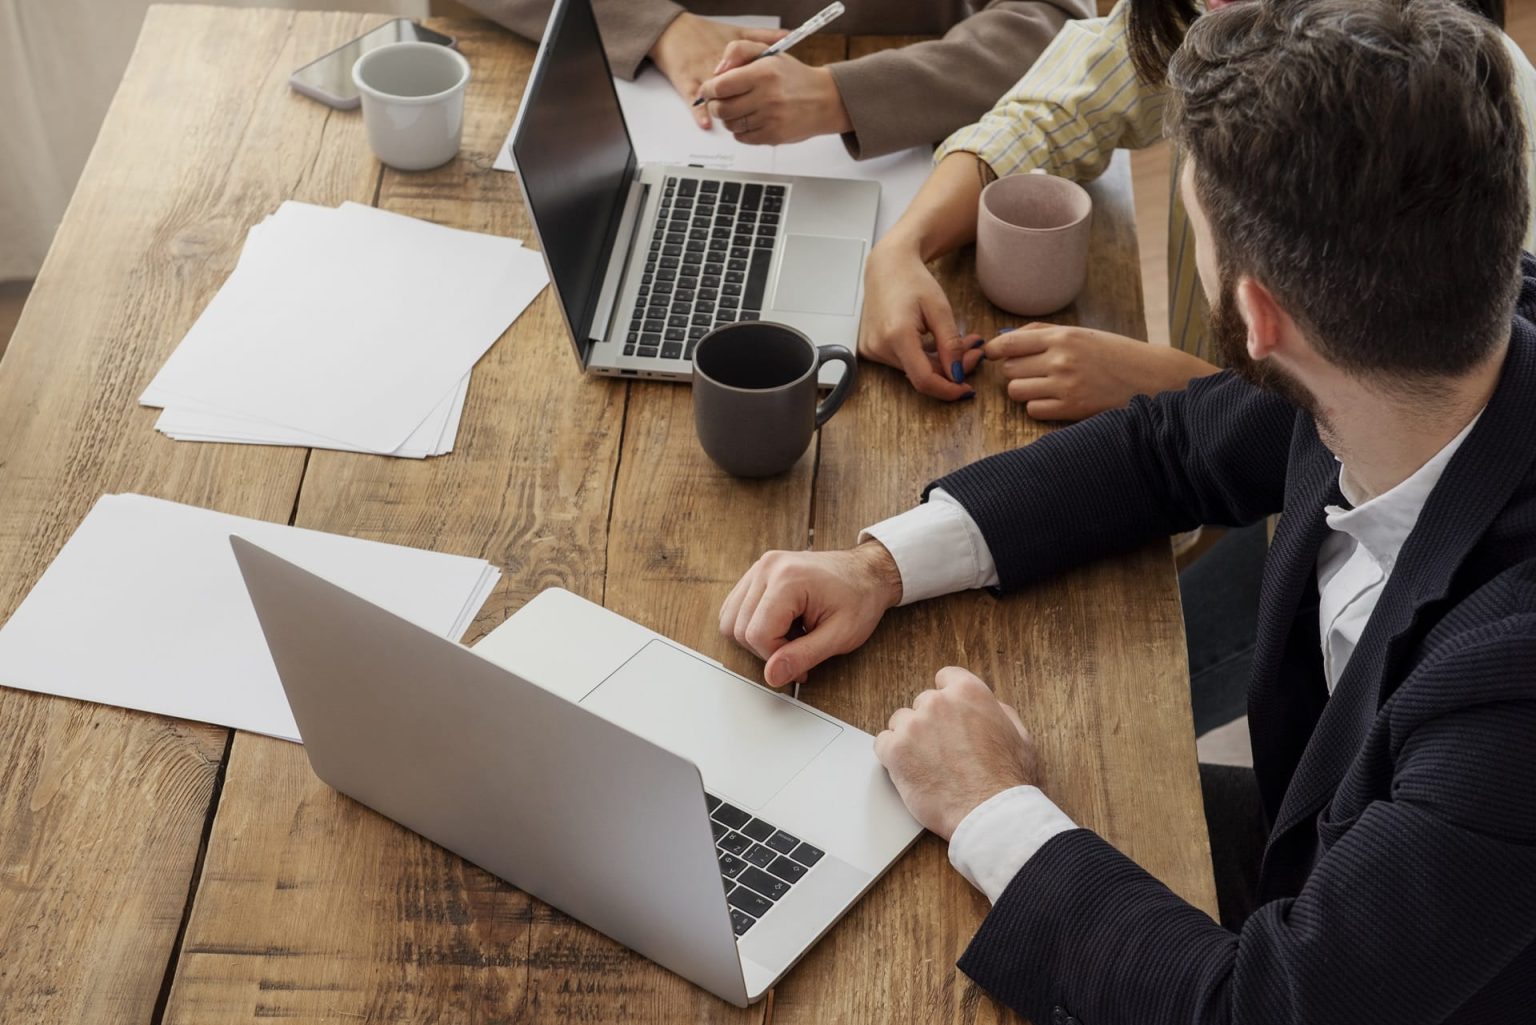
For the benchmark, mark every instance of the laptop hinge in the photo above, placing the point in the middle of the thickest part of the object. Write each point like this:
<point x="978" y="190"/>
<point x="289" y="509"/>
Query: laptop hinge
<point x="618" y="270"/>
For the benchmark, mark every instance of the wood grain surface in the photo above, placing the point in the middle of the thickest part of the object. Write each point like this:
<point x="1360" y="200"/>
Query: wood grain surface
<point x="305" y="906"/>
<point x="103" y="811"/>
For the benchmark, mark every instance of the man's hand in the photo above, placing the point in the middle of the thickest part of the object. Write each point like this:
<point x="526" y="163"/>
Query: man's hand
<point x="775" y="100"/>
<point x="838" y="597"/>
<point x="1068" y="373"/>
<point x="908" y="323"/>
<point x="953" y="749"/>
<point x="688" y="52"/>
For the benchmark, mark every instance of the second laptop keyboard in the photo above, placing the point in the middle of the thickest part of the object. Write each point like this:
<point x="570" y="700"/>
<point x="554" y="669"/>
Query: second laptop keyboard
<point x="706" y="264"/>
<point x="758" y="861"/>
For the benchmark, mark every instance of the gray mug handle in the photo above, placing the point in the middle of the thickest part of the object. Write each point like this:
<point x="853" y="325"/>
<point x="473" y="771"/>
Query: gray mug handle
<point x="829" y="405"/>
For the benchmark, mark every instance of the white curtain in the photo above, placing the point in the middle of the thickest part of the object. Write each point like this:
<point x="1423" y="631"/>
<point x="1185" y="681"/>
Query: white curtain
<point x="60" y="62"/>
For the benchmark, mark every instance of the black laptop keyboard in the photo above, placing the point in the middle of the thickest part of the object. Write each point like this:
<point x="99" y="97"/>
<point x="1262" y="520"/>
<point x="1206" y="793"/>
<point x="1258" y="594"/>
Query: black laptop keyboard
<point x="707" y="263"/>
<point x="758" y="861"/>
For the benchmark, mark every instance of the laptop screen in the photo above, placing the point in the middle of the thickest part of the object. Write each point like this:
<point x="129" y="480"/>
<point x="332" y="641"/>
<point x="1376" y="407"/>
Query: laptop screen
<point x="574" y="155"/>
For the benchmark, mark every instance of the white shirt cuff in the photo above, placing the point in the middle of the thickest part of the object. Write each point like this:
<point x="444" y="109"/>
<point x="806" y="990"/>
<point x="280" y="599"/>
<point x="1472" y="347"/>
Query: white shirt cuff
<point x="937" y="547"/>
<point x="1001" y="834"/>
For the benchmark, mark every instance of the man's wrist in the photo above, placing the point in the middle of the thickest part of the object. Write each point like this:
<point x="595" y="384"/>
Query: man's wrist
<point x="884" y="573"/>
<point x="998" y="836"/>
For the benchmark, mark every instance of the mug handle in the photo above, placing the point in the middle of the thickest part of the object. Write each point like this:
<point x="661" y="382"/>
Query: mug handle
<point x="824" y="354"/>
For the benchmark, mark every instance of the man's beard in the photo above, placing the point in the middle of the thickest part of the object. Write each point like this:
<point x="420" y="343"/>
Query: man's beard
<point x="1231" y="336"/>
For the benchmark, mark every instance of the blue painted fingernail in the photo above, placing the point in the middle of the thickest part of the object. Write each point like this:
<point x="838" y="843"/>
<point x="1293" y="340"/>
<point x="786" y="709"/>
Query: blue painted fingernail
<point x="957" y="371"/>
<point x="979" y="343"/>
<point x="967" y="395"/>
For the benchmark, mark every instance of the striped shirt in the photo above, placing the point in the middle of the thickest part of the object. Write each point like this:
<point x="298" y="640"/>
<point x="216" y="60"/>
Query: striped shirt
<point x="1082" y="100"/>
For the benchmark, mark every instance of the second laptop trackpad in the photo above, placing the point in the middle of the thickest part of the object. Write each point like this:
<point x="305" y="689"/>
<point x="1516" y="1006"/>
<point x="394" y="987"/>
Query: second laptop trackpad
<point x="746" y="741"/>
<point x="819" y="274"/>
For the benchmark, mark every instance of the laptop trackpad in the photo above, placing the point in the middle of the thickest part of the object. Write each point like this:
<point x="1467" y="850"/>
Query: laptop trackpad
<point x="819" y="274"/>
<point x="747" y="742"/>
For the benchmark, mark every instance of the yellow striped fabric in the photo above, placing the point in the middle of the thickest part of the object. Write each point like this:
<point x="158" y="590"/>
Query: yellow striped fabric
<point x="1082" y="100"/>
<point x="1079" y="102"/>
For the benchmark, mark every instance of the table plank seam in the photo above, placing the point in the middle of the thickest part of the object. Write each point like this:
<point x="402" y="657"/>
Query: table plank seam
<point x="810" y="516"/>
<point x="298" y="492"/>
<point x="194" y="883"/>
<point x="314" y="161"/>
<point x="613" y="488"/>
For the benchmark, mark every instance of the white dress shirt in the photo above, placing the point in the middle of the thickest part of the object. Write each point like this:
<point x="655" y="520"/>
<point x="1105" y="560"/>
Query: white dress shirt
<point x="1357" y="557"/>
<point x="939" y="549"/>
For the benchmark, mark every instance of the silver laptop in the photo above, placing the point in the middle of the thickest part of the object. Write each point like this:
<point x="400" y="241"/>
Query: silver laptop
<point x="645" y="259"/>
<point x="710" y="824"/>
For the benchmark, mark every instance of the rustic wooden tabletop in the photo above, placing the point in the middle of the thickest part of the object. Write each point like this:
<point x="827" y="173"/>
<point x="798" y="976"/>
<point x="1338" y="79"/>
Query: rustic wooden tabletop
<point x="155" y="870"/>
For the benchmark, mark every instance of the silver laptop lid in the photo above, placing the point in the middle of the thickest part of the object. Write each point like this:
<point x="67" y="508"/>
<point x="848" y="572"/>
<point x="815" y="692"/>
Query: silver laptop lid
<point x="575" y="162"/>
<point x="577" y="811"/>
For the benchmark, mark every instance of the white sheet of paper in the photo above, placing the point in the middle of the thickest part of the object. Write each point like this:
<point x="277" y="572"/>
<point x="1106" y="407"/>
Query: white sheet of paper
<point x="350" y="324"/>
<point x="192" y="422"/>
<point x="145" y="608"/>
<point x="651" y="81"/>
<point x="664" y="133"/>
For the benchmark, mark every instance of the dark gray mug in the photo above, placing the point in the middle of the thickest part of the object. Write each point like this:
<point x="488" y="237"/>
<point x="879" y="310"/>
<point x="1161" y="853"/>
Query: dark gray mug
<point x="754" y="395"/>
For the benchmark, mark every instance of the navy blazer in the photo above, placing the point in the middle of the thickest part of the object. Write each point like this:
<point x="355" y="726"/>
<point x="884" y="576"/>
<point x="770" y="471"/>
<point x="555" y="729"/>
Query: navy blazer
<point x="1399" y="880"/>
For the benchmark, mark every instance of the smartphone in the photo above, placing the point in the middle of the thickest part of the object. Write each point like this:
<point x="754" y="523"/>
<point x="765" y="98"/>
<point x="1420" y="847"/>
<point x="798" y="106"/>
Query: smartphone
<point x="329" y="79"/>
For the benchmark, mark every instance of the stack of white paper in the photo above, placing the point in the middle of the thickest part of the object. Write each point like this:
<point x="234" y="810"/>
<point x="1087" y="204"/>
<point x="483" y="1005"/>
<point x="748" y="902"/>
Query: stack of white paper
<point x="350" y="328"/>
<point x="145" y="608"/>
<point x="663" y="131"/>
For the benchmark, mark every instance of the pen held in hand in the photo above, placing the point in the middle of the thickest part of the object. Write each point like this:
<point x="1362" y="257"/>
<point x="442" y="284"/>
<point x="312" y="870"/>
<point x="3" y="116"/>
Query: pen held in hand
<point x="815" y="24"/>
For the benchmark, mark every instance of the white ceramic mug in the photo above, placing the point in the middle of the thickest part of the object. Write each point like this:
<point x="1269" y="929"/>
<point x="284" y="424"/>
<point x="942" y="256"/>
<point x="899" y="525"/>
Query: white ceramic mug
<point x="413" y="103"/>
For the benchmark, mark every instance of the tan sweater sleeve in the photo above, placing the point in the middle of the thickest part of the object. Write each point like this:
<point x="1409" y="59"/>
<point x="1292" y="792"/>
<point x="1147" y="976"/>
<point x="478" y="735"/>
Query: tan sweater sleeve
<point x="921" y="93"/>
<point x="629" y="27"/>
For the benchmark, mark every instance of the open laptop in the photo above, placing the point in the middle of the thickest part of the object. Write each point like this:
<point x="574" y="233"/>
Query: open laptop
<point x="645" y="259"/>
<point x="710" y="824"/>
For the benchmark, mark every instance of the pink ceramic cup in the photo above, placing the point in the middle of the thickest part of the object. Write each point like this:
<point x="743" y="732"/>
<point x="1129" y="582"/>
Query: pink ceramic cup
<point x="1032" y="242"/>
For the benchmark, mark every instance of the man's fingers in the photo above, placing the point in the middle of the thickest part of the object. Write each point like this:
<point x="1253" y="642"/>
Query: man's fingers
<point x="951" y="676"/>
<point x="898" y="717"/>
<point x="748" y="608"/>
<point x="732" y="604"/>
<point x="768" y="629"/>
<point x="799" y="656"/>
<point x="883" y="741"/>
<point x="1018" y="723"/>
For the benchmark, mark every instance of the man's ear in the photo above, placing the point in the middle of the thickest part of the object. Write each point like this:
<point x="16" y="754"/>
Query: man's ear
<point x="1264" y="317"/>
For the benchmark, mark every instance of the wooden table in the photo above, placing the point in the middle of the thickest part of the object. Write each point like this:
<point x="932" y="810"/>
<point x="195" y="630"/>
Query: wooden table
<point x="154" y="870"/>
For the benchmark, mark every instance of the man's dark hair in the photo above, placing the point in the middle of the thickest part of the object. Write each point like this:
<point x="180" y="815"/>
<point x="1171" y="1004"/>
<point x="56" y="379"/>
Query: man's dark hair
<point x="1157" y="27"/>
<point x="1364" y="160"/>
